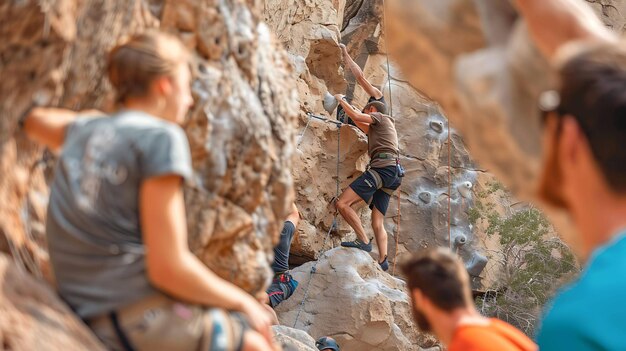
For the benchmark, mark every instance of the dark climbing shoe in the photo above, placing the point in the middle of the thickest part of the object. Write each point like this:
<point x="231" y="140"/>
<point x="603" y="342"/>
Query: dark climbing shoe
<point x="357" y="243"/>
<point x="282" y="287"/>
<point x="384" y="264"/>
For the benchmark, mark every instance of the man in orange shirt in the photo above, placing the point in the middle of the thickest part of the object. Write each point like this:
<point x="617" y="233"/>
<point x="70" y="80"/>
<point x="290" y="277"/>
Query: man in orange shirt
<point x="442" y="304"/>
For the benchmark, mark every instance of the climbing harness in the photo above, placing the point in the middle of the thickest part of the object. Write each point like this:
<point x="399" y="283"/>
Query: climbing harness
<point x="335" y="223"/>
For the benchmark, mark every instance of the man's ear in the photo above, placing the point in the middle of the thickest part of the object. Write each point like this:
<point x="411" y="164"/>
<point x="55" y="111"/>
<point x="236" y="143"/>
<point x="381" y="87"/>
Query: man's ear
<point x="572" y="142"/>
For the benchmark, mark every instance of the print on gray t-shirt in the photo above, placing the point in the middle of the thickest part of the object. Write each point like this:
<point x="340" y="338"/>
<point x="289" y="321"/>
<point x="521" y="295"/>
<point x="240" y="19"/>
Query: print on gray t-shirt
<point x="93" y="228"/>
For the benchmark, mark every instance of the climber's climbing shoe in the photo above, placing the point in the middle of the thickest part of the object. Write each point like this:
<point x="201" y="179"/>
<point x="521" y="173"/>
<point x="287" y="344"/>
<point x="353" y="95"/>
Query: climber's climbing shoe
<point x="384" y="264"/>
<point x="357" y="243"/>
<point x="282" y="287"/>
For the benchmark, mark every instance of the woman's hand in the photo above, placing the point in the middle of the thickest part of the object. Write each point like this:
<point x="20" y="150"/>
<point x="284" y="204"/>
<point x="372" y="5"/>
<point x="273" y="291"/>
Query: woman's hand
<point x="259" y="317"/>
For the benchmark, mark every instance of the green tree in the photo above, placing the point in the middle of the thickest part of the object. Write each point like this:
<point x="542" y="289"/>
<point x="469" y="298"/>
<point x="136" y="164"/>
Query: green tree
<point x="532" y="262"/>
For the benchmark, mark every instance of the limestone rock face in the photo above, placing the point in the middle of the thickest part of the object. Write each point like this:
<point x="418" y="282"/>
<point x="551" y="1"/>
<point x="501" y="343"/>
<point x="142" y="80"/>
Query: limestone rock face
<point x="352" y="300"/>
<point x="309" y="30"/>
<point x="440" y="180"/>
<point x="241" y="135"/>
<point x="433" y="170"/>
<point x="32" y="317"/>
<point x="240" y="131"/>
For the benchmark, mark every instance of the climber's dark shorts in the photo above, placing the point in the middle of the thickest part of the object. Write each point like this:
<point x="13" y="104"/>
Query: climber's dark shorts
<point x="367" y="188"/>
<point x="341" y="113"/>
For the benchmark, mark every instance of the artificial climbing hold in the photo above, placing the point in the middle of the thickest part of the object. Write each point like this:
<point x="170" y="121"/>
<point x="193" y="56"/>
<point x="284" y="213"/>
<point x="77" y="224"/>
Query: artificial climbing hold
<point x="460" y="240"/>
<point x="465" y="189"/>
<point x="437" y="126"/>
<point x="476" y="264"/>
<point x="425" y="197"/>
<point x="330" y="103"/>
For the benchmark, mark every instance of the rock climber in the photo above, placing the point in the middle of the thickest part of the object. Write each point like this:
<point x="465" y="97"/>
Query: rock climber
<point x="116" y="228"/>
<point x="584" y="162"/>
<point x="379" y="181"/>
<point x="326" y="343"/>
<point x="283" y="285"/>
<point x="439" y="287"/>
<point x="374" y="93"/>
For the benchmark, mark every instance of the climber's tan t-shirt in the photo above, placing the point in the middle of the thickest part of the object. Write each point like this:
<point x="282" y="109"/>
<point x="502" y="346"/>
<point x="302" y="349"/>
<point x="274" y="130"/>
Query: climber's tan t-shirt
<point x="382" y="139"/>
<point x="93" y="228"/>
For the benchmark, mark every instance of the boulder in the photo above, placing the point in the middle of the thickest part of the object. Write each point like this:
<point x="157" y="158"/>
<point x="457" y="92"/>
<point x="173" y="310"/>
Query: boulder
<point x="32" y="317"/>
<point x="352" y="300"/>
<point x="293" y="339"/>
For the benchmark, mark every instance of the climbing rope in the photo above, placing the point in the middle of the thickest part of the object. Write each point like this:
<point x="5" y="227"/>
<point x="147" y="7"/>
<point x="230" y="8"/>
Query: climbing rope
<point x="301" y="137"/>
<point x="449" y="188"/>
<point x="398" y="212"/>
<point x="334" y="225"/>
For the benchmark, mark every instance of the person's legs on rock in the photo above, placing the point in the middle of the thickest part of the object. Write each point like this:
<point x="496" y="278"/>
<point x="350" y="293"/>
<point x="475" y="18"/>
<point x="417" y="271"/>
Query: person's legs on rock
<point x="381" y="237"/>
<point x="344" y="205"/>
<point x="283" y="285"/>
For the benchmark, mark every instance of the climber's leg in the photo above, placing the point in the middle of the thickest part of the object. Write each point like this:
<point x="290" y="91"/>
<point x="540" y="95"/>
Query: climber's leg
<point x="379" y="205"/>
<point x="381" y="236"/>
<point x="281" y="251"/>
<point x="344" y="205"/>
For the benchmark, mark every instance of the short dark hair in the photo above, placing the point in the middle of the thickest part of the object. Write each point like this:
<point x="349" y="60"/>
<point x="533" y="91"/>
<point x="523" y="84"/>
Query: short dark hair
<point x="593" y="91"/>
<point x="441" y="277"/>
<point x="378" y="105"/>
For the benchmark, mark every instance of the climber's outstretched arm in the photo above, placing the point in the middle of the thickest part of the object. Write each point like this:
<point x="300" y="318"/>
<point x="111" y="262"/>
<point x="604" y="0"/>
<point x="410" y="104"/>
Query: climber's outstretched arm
<point x="47" y="126"/>
<point x="173" y="268"/>
<point x="553" y="23"/>
<point x="358" y="73"/>
<point x="362" y="120"/>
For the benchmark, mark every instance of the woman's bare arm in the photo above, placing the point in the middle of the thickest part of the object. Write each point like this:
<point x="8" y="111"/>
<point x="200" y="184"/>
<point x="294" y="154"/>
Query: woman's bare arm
<point x="172" y="267"/>
<point x="47" y="125"/>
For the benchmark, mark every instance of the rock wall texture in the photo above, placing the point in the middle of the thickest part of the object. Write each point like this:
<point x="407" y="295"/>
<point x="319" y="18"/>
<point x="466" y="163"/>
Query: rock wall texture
<point x="240" y="130"/>
<point x="352" y="300"/>
<point x="434" y="170"/>
<point x="32" y="317"/>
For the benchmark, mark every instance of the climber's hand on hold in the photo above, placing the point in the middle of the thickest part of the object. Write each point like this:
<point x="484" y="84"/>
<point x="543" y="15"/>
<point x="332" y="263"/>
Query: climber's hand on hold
<point x="339" y="97"/>
<point x="259" y="317"/>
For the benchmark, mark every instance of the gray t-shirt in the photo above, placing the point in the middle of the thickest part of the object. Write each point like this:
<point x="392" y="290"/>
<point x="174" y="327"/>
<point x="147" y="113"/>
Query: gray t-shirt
<point x="93" y="227"/>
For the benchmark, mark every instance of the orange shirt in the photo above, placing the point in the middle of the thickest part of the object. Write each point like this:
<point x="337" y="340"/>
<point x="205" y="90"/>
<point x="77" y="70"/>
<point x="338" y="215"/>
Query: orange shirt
<point x="497" y="336"/>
